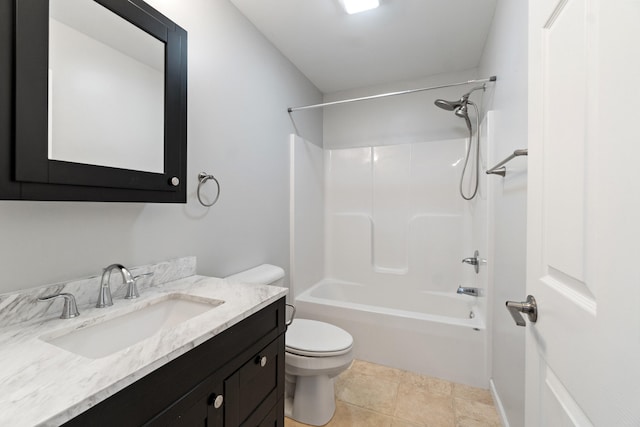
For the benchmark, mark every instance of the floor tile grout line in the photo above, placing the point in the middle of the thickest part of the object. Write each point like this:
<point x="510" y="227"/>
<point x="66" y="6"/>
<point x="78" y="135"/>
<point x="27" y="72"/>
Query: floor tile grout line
<point x="364" y="407"/>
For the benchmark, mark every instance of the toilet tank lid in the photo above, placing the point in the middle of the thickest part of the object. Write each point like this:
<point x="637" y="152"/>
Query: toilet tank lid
<point x="318" y="337"/>
<point x="261" y="275"/>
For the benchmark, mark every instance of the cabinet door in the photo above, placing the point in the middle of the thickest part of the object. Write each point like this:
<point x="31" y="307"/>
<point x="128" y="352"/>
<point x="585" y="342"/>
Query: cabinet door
<point x="215" y="408"/>
<point x="255" y="389"/>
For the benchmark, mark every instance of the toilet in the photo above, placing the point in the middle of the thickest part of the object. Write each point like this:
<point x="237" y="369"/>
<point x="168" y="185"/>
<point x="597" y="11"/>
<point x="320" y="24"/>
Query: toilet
<point x="315" y="353"/>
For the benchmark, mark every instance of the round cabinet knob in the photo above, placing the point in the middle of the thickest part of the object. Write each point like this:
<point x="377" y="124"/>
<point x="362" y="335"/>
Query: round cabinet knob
<point x="262" y="361"/>
<point x="216" y="401"/>
<point x="175" y="181"/>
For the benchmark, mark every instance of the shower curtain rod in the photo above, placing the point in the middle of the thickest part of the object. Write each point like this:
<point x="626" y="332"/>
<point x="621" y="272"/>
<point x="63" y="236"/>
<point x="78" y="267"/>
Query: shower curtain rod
<point x="384" y="95"/>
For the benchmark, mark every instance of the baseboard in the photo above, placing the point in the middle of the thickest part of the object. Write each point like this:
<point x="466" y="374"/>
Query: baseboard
<point x="499" y="407"/>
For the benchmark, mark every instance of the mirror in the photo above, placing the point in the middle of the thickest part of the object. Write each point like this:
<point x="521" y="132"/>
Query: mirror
<point x="103" y="70"/>
<point x="100" y="106"/>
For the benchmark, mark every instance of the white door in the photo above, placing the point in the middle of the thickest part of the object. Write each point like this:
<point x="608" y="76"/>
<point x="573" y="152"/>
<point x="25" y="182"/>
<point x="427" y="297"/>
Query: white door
<point x="583" y="254"/>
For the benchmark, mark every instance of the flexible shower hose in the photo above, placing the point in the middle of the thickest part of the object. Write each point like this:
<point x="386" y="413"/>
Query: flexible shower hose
<point x="466" y="160"/>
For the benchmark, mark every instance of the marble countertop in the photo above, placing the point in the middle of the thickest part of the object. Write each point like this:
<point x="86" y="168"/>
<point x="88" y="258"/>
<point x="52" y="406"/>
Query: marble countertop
<point x="44" y="385"/>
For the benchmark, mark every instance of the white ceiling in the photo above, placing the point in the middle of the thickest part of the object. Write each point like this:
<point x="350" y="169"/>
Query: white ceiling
<point x="400" y="40"/>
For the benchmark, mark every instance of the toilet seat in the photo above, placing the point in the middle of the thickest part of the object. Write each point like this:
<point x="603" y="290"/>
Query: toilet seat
<point x="312" y="338"/>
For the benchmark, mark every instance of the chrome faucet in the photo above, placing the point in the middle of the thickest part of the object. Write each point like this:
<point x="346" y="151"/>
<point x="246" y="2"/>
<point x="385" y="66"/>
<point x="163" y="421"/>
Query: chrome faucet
<point x="104" y="295"/>
<point x="474" y="292"/>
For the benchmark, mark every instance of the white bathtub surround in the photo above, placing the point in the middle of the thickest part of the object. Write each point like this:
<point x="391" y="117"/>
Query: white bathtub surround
<point x="395" y="218"/>
<point x="441" y="341"/>
<point x="397" y="226"/>
<point x="396" y="230"/>
<point x="41" y="384"/>
<point x="17" y="307"/>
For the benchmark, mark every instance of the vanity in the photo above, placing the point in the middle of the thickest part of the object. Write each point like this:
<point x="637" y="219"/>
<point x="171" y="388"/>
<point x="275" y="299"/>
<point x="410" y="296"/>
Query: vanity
<point x="221" y="367"/>
<point x="235" y="378"/>
<point x="93" y="107"/>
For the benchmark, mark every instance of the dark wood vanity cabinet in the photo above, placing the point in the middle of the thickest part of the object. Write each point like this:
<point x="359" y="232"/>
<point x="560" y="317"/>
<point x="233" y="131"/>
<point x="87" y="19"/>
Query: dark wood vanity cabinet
<point x="234" y="379"/>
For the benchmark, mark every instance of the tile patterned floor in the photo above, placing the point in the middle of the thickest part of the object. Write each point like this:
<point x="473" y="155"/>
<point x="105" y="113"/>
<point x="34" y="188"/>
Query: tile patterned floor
<point x="370" y="395"/>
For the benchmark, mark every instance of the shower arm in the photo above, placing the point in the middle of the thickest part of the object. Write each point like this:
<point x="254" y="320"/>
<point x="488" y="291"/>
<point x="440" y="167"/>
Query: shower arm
<point x="482" y="87"/>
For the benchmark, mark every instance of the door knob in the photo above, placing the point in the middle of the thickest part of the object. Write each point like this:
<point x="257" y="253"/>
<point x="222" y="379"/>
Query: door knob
<point x="528" y="307"/>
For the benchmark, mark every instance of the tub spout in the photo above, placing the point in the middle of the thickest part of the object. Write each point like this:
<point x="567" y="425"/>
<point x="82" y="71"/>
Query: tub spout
<point x="474" y="292"/>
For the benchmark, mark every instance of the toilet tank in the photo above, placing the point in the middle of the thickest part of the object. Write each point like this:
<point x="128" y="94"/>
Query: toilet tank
<point x="265" y="274"/>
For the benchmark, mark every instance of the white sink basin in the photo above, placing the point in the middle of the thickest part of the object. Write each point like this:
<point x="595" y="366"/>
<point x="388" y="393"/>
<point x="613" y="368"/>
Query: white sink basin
<point x="118" y="333"/>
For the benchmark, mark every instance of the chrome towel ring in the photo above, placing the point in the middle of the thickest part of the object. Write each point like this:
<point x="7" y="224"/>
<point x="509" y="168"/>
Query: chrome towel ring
<point x="202" y="178"/>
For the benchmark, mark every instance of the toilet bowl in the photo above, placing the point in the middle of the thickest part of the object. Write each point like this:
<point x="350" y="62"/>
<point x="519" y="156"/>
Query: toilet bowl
<point x="315" y="353"/>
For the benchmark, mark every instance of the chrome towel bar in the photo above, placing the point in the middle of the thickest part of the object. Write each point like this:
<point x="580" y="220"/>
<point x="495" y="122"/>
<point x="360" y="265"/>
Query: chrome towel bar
<point x="501" y="170"/>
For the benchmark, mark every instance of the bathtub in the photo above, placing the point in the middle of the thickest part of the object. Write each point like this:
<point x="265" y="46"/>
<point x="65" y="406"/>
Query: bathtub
<point x="433" y="333"/>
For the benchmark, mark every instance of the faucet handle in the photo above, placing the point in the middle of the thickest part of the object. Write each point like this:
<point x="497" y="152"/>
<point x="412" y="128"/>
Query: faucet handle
<point x="132" y="288"/>
<point x="140" y="276"/>
<point x="70" y="309"/>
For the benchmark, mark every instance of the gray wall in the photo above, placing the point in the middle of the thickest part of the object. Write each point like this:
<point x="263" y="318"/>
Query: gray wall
<point x="239" y="89"/>
<point x="402" y="119"/>
<point x="505" y="55"/>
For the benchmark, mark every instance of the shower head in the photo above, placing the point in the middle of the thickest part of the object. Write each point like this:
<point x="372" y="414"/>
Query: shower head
<point x="447" y="105"/>
<point x="459" y="106"/>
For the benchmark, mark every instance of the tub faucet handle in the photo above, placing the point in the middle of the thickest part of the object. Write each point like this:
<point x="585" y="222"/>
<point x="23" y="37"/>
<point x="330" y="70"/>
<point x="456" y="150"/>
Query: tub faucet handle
<point x="475" y="260"/>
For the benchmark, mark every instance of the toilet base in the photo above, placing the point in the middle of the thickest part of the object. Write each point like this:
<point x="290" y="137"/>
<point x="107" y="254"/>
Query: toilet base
<point x="313" y="402"/>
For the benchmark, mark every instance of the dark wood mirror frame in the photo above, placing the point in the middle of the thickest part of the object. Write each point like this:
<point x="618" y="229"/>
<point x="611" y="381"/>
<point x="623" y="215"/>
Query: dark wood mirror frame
<point x="26" y="173"/>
